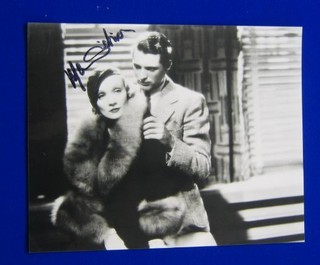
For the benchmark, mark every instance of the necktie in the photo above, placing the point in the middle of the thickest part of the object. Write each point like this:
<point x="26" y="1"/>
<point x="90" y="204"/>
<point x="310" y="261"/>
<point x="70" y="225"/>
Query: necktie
<point x="148" y="110"/>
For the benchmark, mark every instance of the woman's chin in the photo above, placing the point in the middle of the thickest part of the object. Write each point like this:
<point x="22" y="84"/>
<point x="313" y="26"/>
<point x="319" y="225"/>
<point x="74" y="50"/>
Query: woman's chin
<point x="112" y="116"/>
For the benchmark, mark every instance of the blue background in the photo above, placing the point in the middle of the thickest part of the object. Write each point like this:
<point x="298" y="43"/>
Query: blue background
<point x="13" y="109"/>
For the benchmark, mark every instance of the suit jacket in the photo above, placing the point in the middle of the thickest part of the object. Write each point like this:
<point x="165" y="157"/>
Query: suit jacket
<point x="185" y="115"/>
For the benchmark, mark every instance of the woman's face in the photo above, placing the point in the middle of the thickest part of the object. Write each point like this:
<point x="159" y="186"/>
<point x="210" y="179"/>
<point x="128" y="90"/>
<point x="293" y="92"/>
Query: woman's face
<point x="112" y="96"/>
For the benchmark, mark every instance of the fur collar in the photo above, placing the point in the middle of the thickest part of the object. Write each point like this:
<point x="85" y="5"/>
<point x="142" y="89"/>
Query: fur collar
<point x="123" y="145"/>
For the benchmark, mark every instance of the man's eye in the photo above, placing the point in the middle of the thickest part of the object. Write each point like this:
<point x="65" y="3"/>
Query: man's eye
<point x="137" y="67"/>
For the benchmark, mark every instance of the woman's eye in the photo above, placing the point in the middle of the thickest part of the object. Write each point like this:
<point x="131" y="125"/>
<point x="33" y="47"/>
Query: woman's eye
<point x="100" y="96"/>
<point x="118" y="90"/>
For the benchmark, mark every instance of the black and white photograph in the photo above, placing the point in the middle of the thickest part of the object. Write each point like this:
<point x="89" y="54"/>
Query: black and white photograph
<point x="163" y="136"/>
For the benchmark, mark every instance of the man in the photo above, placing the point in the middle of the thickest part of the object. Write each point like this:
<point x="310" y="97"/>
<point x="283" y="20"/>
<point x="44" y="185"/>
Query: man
<point x="178" y="127"/>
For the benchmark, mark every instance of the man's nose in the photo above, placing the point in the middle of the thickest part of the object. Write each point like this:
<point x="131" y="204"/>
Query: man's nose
<point x="143" y="74"/>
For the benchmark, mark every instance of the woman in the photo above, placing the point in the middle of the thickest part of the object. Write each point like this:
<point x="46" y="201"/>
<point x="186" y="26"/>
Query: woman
<point x="98" y="160"/>
<point x="121" y="195"/>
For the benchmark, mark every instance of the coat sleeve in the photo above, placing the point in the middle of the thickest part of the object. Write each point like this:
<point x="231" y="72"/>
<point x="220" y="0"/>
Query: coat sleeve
<point x="81" y="157"/>
<point x="191" y="153"/>
<point x="80" y="215"/>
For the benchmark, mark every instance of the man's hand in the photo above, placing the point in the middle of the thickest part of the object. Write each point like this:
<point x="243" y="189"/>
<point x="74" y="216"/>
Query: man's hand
<point x="154" y="129"/>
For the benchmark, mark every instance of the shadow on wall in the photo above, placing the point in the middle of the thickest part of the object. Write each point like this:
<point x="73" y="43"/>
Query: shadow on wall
<point x="274" y="220"/>
<point x="225" y="222"/>
<point x="47" y="127"/>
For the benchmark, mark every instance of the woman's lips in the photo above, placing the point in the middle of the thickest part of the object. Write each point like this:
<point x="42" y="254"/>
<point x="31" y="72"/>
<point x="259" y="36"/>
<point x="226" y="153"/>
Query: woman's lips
<point x="114" y="110"/>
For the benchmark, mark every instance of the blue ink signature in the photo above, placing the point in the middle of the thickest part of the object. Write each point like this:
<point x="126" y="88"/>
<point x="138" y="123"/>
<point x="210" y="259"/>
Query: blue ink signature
<point x="101" y="51"/>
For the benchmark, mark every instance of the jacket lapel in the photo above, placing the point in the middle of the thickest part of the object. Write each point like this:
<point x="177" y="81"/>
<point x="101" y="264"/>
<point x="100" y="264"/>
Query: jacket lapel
<point x="166" y="102"/>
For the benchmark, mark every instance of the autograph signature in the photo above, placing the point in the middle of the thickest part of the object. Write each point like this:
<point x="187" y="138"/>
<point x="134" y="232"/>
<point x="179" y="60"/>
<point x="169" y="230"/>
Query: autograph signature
<point x="101" y="51"/>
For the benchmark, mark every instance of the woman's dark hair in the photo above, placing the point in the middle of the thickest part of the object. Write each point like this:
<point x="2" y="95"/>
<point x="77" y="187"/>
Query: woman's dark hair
<point x="156" y="43"/>
<point x="95" y="81"/>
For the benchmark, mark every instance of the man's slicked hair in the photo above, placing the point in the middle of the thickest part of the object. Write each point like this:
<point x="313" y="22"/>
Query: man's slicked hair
<point x="156" y="43"/>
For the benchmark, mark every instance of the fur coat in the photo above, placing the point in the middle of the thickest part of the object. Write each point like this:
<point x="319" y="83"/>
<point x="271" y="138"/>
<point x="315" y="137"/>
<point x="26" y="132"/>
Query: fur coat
<point x="113" y="186"/>
<point x="97" y="160"/>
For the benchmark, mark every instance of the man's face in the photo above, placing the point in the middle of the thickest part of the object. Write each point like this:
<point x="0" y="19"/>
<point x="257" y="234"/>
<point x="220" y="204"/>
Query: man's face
<point x="148" y="70"/>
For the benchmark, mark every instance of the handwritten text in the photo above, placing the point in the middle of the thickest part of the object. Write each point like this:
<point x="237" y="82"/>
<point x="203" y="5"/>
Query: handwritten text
<point x="99" y="51"/>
